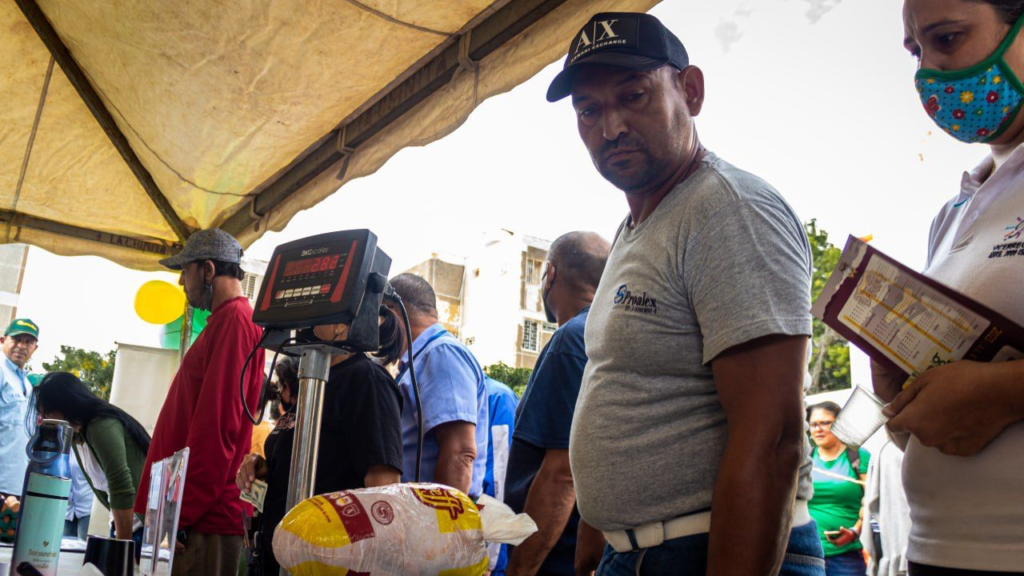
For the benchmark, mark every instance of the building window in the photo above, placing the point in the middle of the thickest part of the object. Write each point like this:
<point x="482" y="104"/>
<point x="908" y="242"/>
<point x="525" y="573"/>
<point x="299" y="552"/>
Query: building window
<point x="470" y="341"/>
<point x="250" y="283"/>
<point x="533" y="271"/>
<point x="530" y="336"/>
<point x="549" y="327"/>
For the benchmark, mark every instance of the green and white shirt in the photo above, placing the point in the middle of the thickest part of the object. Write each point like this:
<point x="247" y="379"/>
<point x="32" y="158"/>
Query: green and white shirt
<point x="836" y="502"/>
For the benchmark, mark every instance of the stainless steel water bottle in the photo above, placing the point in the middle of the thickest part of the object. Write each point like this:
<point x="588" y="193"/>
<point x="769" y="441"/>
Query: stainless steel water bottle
<point x="44" y="498"/>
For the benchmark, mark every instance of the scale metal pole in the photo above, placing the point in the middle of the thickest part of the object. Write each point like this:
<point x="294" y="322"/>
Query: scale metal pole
<point x="313" y="371"/>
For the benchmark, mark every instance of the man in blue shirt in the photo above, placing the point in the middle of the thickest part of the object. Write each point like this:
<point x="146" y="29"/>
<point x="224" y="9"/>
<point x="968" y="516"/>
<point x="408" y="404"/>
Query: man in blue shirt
<point x="539" y="480"/>
<point x="501" y="403"/>
<point x="19" y="342"/>
<point x="453" y="394"/>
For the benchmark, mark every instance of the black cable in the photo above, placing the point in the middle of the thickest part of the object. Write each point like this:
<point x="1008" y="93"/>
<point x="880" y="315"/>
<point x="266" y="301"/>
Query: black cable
<point x="263" y="392"/>
<point x="266" y="390"/>
<point x="241" y="378"/>
<point x="415" y="384"/>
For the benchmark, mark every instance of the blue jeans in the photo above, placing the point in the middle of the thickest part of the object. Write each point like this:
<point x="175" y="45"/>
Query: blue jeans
<point x="688" y="556"/>
<point x="846" y="564"/>
<point x="77" y="528"/>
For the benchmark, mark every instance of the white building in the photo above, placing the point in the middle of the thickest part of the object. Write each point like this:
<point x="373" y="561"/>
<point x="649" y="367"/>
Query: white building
<point x="255" y="270"/>
<point x="491" y="299"/>
<point x="12" y="272"/>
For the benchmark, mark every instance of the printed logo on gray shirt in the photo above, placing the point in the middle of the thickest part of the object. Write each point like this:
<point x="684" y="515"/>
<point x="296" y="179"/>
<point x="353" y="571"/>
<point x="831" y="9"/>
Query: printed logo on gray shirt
<point x="640" y="303"/>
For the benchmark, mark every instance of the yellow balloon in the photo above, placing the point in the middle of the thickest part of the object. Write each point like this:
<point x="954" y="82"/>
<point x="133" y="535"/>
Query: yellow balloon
<point x="159" y="302"/>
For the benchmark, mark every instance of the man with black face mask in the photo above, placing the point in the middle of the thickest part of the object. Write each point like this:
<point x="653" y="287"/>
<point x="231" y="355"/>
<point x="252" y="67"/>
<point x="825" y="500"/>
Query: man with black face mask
<point x="203" y="410"/>
<point x="539" y="481"/>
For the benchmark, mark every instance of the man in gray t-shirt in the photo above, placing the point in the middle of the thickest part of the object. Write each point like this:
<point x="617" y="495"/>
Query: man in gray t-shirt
<point x="687" y="445"/>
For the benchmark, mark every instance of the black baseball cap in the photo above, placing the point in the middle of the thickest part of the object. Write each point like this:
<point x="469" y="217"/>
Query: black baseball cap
<point x="631" y="40"/>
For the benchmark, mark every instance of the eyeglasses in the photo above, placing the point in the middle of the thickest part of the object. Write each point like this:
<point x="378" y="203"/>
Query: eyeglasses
<point x="821" y="425"/>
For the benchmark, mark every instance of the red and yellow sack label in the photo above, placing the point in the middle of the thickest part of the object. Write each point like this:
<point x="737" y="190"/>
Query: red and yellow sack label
<point x="452" y="507"/>
<point x="398" y="530"/>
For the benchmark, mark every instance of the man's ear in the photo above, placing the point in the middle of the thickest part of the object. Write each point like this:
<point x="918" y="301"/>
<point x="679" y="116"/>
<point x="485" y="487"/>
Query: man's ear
<point x="209" y="270"/>
<point x="690" y="83"/>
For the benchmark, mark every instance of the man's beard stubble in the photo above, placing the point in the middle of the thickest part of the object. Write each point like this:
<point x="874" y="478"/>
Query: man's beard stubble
<point x="204" y="301"/>
<point x="639" y="180"/>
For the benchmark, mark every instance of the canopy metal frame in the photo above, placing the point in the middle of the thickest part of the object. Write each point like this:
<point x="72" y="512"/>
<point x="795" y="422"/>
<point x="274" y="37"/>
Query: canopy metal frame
<point x="92" y="101"/>
<point x="492" y="28"/>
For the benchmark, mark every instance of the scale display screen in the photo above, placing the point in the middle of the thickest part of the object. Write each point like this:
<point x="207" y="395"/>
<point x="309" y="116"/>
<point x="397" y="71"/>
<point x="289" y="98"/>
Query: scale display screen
<point x="303" y="281"/>
<point x="310" y="265"/>
<point x="317" y="280"/>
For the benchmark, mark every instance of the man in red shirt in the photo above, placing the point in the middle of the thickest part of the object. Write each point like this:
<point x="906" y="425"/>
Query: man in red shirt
<point x="203" y="409"/>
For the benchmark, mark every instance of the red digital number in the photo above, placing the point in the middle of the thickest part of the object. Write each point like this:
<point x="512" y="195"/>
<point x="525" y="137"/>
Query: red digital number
<point x="316" y="265"/>
<point x="289" y="268"/>
<point x="325" y="263"/>
<point x="334" y="261"/>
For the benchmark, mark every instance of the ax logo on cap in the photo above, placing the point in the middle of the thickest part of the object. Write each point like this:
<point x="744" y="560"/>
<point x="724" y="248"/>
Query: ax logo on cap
<point x="26" y="324"/>
<point x="620" y="32"/>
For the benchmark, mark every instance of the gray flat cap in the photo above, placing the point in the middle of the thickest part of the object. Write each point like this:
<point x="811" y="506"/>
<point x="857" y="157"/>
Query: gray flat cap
<point x="212" y="244"/>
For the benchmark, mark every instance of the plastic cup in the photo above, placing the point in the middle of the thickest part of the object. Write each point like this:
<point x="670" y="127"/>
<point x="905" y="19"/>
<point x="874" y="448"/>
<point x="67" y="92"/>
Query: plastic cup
<point x="860" y="418"/>
<point x="111" y="556"/>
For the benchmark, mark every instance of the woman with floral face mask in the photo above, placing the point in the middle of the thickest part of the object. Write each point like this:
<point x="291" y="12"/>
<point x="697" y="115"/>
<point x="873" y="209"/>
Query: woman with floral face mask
<point x="964" y="466"/>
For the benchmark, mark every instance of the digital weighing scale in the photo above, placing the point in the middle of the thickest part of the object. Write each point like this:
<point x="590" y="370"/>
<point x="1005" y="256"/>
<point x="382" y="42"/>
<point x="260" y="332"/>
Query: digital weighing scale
<point x="334" y="278"/>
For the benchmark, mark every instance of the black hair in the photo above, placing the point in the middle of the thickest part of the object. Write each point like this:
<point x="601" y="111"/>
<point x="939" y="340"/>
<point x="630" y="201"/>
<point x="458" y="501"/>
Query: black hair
<point x="826" y="406"/>
<point x="392" y="342"/>
<point x="392" y="336"/>
<point x="581" y="256"/>
<point x="1009" y="10"/>
<point x="287" y="370"/>
<point x="229" y="269"/>
<point x="221" y="268"/>
<point x="416" y="293"/>
<point x="63" y="392"/>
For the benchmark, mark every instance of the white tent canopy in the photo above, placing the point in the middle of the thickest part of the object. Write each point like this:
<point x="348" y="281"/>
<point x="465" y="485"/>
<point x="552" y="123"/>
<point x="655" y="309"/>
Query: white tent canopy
<point x="128" y="124"/>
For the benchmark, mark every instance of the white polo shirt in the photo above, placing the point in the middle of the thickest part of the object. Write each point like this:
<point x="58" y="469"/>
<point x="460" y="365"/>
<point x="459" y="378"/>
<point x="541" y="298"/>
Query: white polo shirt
<point x="969" y="512"/>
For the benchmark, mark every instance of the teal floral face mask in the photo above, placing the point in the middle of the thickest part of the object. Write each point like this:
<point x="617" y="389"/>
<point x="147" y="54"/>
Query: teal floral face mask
<point x="975" y="104"/>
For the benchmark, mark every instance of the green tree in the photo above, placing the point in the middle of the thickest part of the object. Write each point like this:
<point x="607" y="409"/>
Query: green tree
<point x="830" y="352"/>
<point x="514" y="378"/>
<point x="94" y="369"/>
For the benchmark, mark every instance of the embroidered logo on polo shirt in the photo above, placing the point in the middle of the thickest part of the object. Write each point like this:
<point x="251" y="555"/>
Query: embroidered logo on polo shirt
<point x="1014" y="231"/>
<point x="639" y="303"/>
<point x="1007" y="249"/>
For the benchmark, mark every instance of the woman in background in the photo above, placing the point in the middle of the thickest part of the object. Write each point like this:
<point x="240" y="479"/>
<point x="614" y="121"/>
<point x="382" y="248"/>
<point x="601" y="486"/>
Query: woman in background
<point x="109" y="444"/>
<point x="839" y="474"/>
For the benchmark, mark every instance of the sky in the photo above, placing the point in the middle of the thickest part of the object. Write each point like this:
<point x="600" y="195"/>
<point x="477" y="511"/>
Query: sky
<point x="814" y="96"/>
